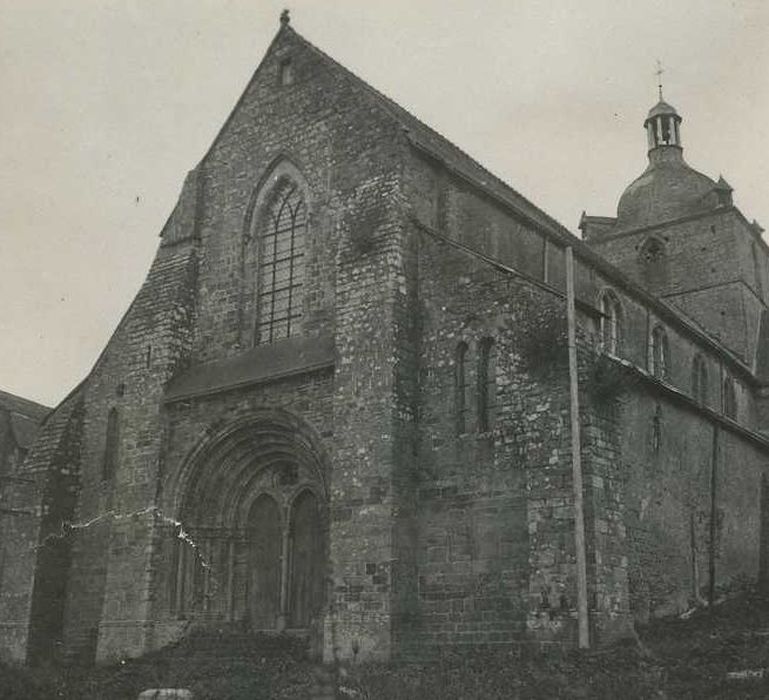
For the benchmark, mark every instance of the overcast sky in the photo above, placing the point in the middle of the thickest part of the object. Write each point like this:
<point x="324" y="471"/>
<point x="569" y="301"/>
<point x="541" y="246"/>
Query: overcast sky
<point x="105" y="106"/>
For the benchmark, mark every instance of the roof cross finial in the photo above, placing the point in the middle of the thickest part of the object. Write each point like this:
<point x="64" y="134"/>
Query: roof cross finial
<point x="660" y="70"/>
<point x="285" y="18"/>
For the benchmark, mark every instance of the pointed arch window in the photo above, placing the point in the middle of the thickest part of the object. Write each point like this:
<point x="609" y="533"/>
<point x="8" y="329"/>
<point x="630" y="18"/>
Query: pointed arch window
<point x="281" y="265"/>
<point x="700" y="388"/>
<point x="111" y="444"/>
<point x="659" y="353"/>
<point x="487" y="385"/>
<point x="460" y="388"/>
<point x="611" y="323"/>
<point x="729" y="398"/>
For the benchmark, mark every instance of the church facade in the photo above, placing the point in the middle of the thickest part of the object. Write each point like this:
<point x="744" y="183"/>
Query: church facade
<point x="341" y="403"/>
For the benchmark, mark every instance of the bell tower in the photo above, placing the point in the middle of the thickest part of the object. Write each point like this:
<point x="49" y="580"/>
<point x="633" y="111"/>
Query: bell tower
<point x="678" y="233"/>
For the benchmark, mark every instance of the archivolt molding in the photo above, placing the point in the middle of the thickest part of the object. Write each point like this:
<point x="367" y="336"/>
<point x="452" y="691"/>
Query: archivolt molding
<point x="219" y="479"/>
<point x="281" y="170"/>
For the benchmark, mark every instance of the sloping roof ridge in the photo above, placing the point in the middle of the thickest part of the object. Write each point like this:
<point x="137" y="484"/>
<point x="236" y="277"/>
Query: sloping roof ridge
<point x="389" y="102"/>
<point x="407" y="119"/>
<point x="22" y="406"/>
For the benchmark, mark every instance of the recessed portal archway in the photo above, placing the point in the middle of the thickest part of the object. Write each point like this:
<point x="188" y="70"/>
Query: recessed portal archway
<point x="252" y="502"/>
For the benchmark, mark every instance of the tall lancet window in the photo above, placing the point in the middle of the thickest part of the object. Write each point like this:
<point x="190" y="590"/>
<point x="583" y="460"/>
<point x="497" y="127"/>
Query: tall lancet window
<point x="460" y="388"/>
<point x="281" y="265"/>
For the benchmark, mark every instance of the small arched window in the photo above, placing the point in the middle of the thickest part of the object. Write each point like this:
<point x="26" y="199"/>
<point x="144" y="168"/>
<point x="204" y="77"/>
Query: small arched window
<point x="659" y="353"/>
<point x="281" y="264"/>
<point x="729" y="399"/>
<point x="611" y="323"/>
<point x="460" y="388"/>
<point x="111" y="445"/>
<point x="700" y="388"/>
<point x="487" y="385"/>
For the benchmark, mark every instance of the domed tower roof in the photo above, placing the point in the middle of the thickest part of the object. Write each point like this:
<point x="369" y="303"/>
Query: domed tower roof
<point x="662" y="107"/>
<point x="668" y="189"/>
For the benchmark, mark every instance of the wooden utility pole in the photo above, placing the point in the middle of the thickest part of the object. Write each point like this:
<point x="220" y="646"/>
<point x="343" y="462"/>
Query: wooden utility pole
<point x="713" y="520"/>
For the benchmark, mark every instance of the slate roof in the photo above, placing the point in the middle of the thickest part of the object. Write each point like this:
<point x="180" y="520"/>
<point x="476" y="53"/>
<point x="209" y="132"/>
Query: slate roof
<point x="25" y="417"/>
<point x="24" y="407"/>
<point x="661" y="107"/>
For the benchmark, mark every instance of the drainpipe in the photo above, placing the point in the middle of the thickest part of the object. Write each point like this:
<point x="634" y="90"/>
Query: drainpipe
<point x="576" y="457"/>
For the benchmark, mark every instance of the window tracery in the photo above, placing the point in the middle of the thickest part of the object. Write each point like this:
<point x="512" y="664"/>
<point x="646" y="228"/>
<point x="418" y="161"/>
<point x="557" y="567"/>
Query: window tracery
<point x="281" y="265"/>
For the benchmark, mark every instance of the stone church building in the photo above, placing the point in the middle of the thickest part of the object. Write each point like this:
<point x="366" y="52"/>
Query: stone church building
<point x="341" y="403"/>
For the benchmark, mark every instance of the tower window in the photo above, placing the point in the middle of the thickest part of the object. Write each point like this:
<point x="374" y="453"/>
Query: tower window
<point x="652" y="251"/>
<point x="700" y="389"/>
<point x="281" y="266"/>
<point x="460" y="388"/>
<point x="653" y="261"/>
<point x="611" y="323"/>
<point x="487" y="385"/>
<point x="111" y="444"/>
<point x="659" y="353"/>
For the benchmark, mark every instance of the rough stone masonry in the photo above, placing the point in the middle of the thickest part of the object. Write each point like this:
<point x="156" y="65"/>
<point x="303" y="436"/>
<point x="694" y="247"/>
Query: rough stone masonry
<point x="339" y="406"/>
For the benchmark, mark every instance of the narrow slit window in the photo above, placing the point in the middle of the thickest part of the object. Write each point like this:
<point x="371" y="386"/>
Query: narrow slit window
<point x="730" y="399"/>
<point x="659" y="356"/>
<point x="286" y="72"/>
<point x="460" y="388"/>
<point x="700" y="388"/>
<point x="111" y="444"/>
<point x="657" y="429"/>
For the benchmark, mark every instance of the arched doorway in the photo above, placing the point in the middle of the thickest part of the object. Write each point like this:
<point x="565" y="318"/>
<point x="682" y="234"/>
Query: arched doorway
<point x="252" y="504"/>
<point x="305" y="578"/>
<point x="265" y="537"/>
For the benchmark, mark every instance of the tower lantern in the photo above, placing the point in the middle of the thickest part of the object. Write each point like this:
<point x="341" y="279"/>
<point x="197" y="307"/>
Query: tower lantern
<point x="663" y="123"/>
<point x="663" y="126"/>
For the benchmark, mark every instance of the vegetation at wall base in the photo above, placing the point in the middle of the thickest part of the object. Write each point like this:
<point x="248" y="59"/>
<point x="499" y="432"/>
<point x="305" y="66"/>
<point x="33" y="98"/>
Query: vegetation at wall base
<point x="681" y="658"/>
